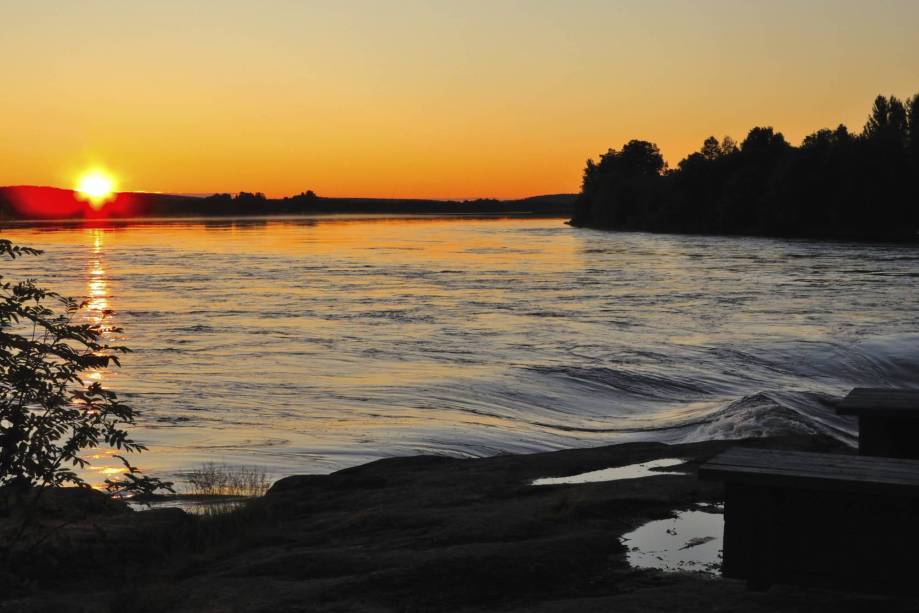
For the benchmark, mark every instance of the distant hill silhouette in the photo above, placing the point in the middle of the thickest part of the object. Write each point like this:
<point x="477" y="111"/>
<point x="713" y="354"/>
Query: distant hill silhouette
<point x="835" y="184"/>
<point x="30" y="202"/>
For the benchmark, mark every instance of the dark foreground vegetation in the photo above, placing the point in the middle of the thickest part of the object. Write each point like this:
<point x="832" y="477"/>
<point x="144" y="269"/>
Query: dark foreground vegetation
<point x="403" y="534"/>
<point x="30" y="203"/>
<point x="835" y="184"/>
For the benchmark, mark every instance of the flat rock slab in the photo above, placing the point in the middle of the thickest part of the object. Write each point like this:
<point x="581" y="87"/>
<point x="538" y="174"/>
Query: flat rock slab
<point x="434" y="534"/>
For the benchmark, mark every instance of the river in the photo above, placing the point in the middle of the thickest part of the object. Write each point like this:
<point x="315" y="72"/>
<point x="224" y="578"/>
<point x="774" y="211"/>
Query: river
<point x="309" y="345"/>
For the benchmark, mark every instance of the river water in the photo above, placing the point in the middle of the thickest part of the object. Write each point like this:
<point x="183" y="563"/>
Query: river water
<point x="309" y="345"/>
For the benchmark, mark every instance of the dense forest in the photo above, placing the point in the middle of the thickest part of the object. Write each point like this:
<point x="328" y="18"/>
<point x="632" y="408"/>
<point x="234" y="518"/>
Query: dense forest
<point x="835" y="184"/>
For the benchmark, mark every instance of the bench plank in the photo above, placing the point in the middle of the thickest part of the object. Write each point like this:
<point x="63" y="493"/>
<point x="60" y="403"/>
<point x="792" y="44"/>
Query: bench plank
<point x="880" y="401"/>
<point x="802" y="470"/>
<point x="818" y="519"/>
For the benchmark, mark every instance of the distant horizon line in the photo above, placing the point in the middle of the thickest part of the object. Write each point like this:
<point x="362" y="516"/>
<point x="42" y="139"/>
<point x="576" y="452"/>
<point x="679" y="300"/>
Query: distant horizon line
<point x="318" y="195"/>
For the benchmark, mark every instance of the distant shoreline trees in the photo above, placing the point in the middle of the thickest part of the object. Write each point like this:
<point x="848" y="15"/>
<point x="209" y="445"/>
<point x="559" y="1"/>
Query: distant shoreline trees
<point x="835" y="184"/>
<point x="20" y="203"/>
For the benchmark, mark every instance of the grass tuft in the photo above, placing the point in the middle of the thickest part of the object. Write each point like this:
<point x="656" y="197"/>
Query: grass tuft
<point x="212" y="479"/>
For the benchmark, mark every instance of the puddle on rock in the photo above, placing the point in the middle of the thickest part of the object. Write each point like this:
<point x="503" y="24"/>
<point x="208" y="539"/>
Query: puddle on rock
<point x="617" y="473"/>
<point x="692" y="541"/>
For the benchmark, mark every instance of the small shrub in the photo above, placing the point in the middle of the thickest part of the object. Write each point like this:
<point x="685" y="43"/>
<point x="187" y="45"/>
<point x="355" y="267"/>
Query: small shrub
<point x="49" y="415"/>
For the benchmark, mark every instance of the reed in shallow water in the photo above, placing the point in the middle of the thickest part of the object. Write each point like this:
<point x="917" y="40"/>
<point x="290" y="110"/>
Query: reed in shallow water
<point x="212" y="479"/>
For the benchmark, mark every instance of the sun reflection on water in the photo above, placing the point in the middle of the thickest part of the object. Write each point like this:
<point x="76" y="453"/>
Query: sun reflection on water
<point x="103" y="466"/>
<point x="98" y="312"/>
<point x="97" y="284"/>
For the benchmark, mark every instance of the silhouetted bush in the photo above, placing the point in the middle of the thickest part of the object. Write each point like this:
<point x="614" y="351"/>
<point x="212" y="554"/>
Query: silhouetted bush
<point x="834" y="185"/>
<point x="49" y="416"/>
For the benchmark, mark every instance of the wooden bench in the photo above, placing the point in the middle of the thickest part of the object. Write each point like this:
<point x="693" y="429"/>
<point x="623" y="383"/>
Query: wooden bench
<point x="818" y="519"/>
<point x="888" y="421"/>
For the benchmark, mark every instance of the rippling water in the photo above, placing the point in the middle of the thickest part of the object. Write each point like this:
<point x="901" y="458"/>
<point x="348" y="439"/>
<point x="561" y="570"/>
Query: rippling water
<point x="311" y="345"/>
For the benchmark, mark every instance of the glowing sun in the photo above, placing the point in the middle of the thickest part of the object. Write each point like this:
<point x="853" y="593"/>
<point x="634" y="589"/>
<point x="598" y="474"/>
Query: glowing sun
<point x="96" y="187"/>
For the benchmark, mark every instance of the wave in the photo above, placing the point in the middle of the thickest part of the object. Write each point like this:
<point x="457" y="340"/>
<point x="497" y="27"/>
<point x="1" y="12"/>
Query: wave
<point x="779" y="389"/>
<point x="629" y="382"/>
<point x="768" y="414"/>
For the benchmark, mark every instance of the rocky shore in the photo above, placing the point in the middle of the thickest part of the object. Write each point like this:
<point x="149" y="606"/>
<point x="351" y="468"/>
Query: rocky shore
<point x="406" y="534"/>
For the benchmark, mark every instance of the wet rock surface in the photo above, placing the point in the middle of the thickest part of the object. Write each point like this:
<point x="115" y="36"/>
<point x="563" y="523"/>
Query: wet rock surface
<point x="427" y="534"/>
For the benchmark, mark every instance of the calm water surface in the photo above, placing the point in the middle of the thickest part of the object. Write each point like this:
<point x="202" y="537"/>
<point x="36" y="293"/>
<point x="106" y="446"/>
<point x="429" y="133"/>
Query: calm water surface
<point x="305" y="346"/>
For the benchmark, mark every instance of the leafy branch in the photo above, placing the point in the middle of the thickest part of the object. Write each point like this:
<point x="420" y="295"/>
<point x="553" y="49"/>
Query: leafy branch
<point x="49" y="416"/>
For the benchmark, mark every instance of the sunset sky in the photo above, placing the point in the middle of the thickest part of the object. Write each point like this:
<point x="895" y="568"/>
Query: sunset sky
<point x="417" y="98"/>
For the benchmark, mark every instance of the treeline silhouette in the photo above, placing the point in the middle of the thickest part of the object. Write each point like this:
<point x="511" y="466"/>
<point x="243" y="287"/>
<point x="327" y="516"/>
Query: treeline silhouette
<point x="30" y="202"/>
<point x="835" y="184"/>
<point x="308" y="202"/>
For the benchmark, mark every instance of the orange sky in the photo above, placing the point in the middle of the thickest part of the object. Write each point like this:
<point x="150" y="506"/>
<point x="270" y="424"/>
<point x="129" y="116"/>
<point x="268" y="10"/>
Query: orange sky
<point x="416" y="98"/>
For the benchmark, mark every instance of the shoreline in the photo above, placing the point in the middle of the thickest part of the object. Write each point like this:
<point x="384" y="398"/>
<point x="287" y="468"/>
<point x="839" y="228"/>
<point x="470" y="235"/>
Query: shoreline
<point x="42" y="202"/>
<point x="420" y="533"/>
<point x="220" y="219"/>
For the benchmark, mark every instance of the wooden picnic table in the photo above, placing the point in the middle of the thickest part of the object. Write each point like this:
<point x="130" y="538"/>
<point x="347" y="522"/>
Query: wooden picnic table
<point x="815" y="518"/>
<point x="888" y="420"/>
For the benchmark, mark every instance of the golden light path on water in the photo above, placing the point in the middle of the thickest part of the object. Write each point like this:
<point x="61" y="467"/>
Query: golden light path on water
<point x="309" y="345"/>
<point x="98" y="311"/>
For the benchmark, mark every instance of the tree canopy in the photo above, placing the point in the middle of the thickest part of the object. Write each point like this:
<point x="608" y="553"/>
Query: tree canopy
<point x="835" y="184"/>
